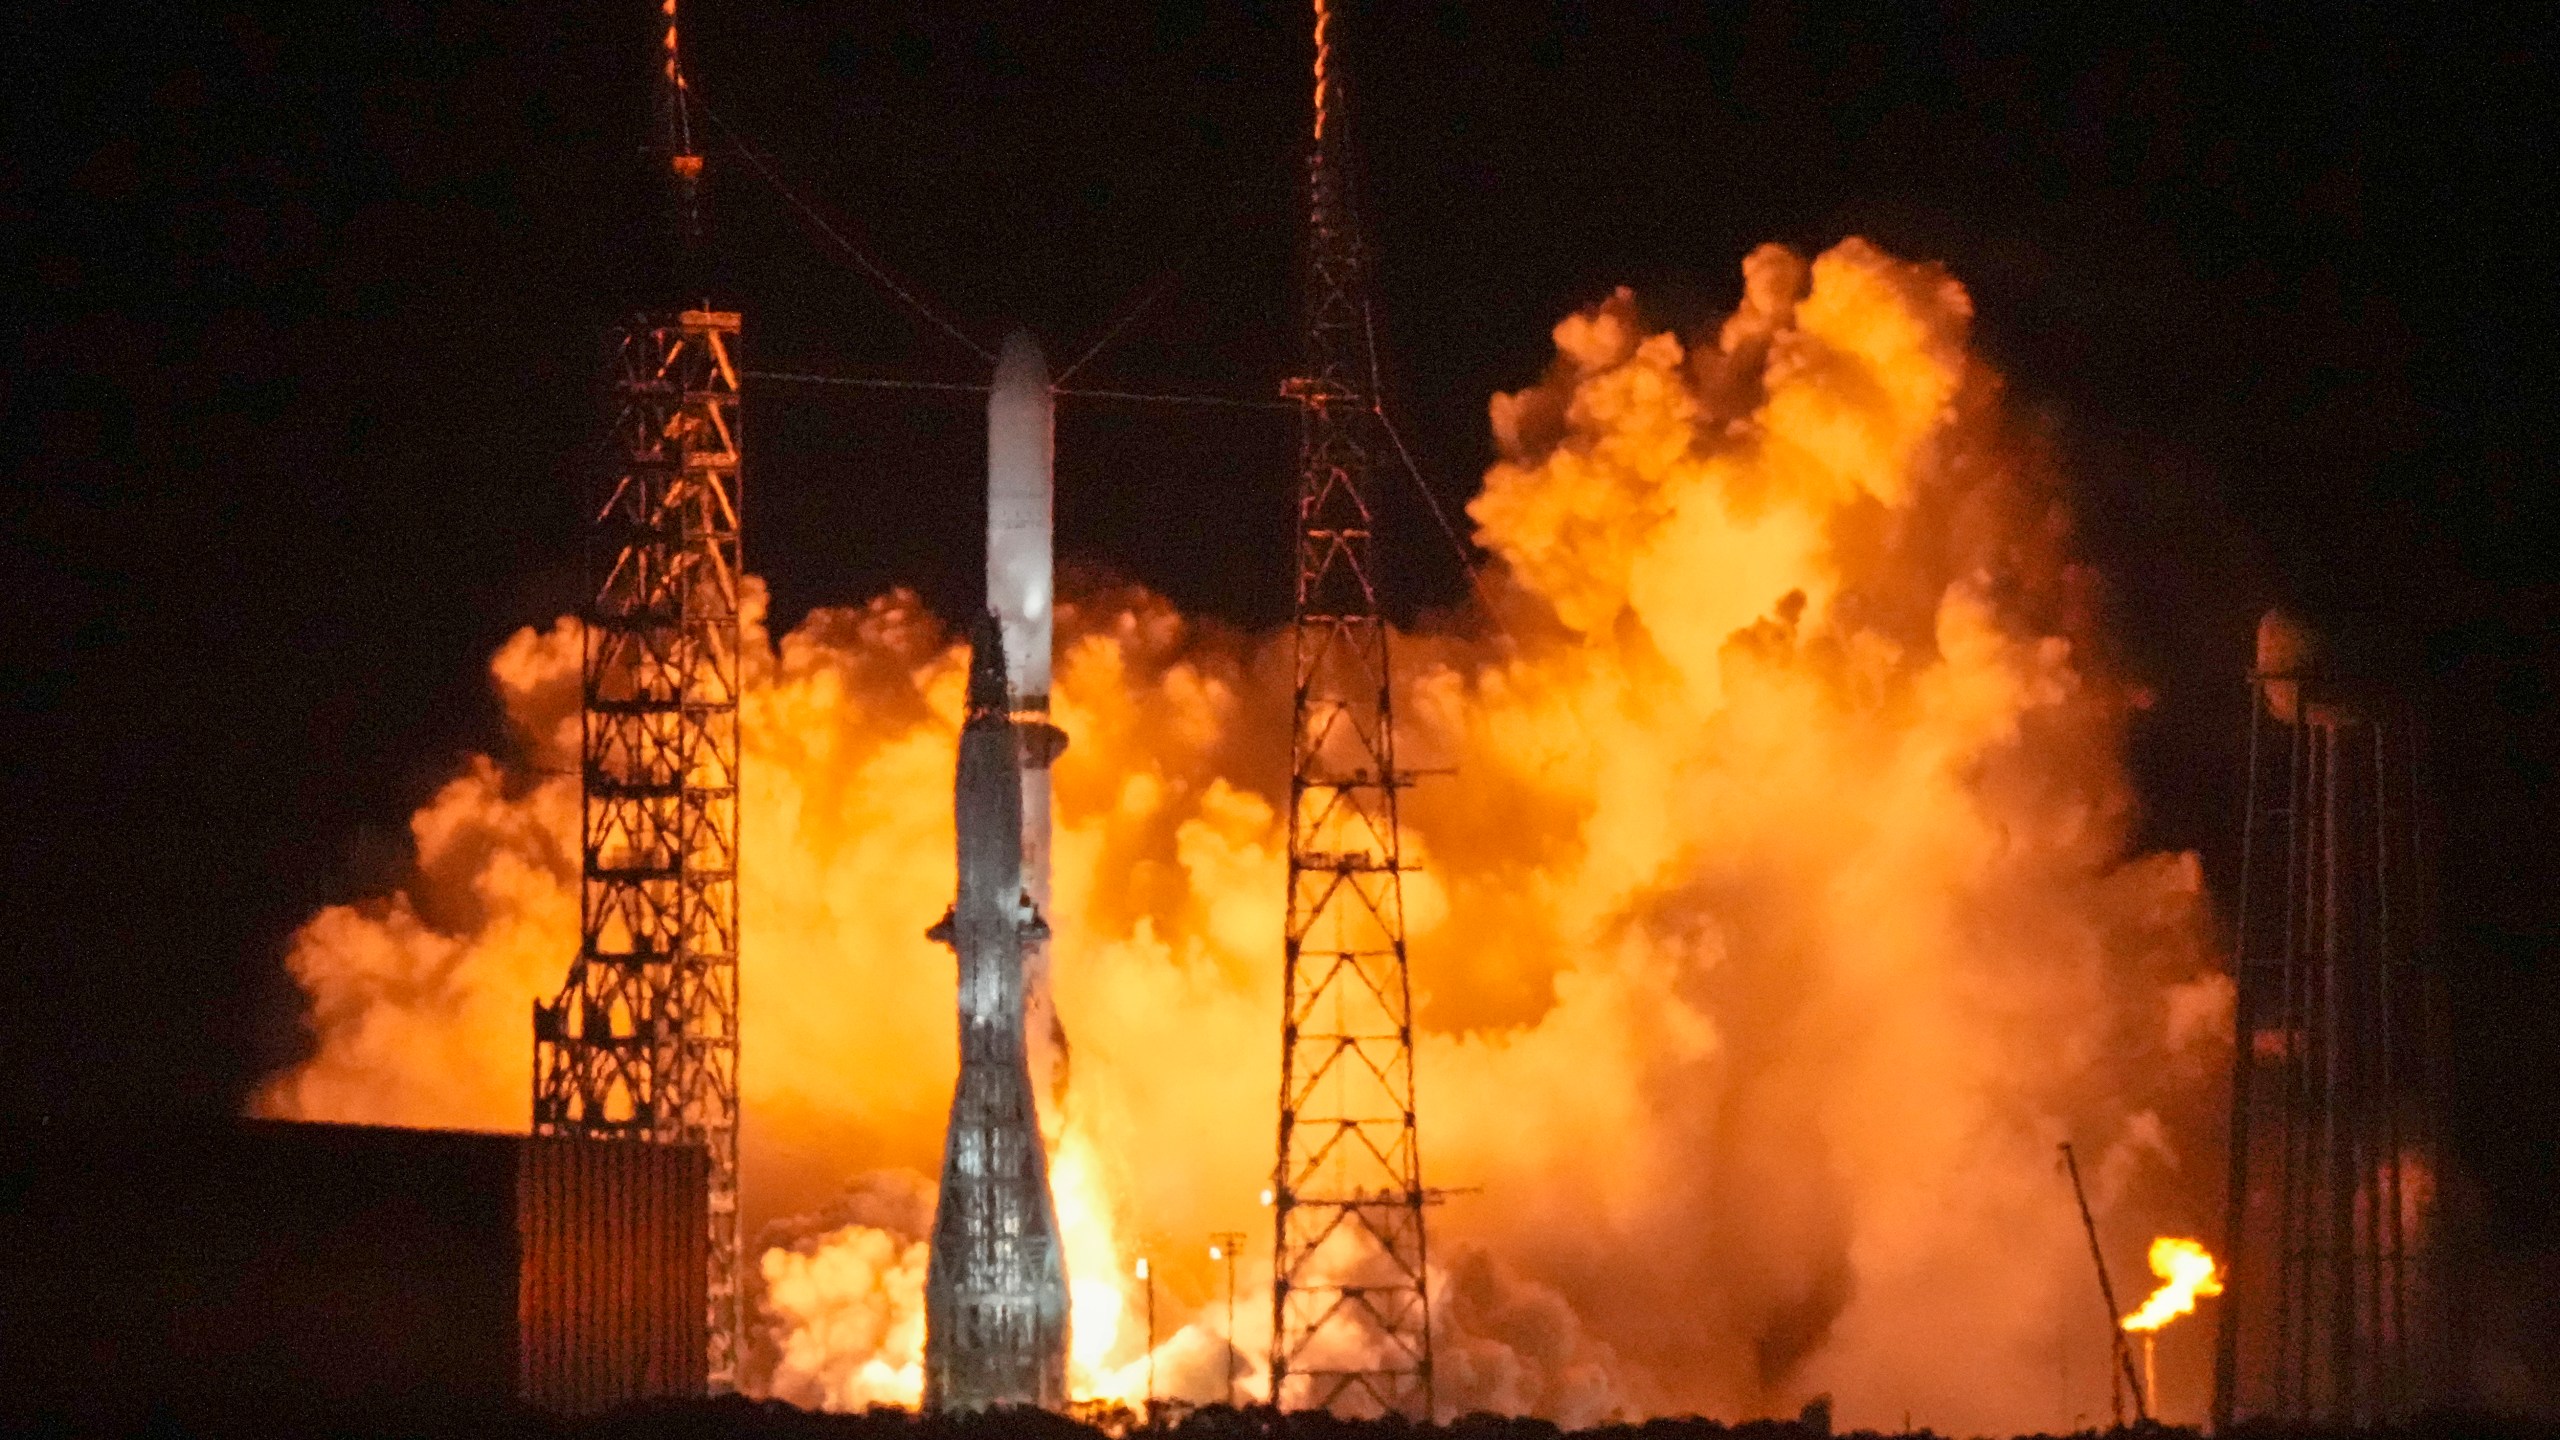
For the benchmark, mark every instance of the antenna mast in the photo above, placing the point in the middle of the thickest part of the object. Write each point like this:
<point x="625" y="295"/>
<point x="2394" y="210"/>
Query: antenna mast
<point x="642" y="1041"/>
<point x="1351" y="1320"/>
<point x="675" y="140"/>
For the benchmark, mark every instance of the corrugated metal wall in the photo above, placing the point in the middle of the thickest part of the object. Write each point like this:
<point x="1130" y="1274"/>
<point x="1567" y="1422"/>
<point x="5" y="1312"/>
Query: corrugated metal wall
<point x="253" y="1269"/>
<point x="610" y="1293"/>
<point x="228" y="1271"/>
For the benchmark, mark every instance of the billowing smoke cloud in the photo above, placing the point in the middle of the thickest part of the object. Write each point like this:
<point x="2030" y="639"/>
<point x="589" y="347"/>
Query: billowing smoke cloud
<point x="1778" y="920"/>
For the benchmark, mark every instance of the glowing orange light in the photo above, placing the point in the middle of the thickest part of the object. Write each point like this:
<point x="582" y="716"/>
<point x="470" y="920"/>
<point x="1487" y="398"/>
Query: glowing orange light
<point x="2187" y="1273"/>
<point x="1324" y="53"/>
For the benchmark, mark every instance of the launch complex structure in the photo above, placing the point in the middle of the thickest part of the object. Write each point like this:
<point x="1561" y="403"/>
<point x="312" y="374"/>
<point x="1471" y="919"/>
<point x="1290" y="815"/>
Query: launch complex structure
<point x="2338" y="1308"/>
<point x="1350" y="1312"/>
<point x="641" y="1043"/>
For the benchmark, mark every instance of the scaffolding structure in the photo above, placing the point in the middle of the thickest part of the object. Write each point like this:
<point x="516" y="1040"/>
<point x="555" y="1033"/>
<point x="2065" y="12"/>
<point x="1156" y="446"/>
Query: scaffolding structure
<point x="1351" y="1319"/>
<point x="2335" y="1310"/>
<point x="641" y="1043"/>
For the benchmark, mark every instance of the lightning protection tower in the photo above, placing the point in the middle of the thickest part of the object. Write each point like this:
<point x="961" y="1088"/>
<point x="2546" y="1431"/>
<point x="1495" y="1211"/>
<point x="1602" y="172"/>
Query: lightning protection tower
<point x="2335" y="1310"/>
<point x="1350" y="1317"/>
<point x="642" y="1042"/>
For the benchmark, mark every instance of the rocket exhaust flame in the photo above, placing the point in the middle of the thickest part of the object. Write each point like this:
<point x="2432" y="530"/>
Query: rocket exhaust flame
<point x="2186" y="1273"/>
<point x="1781" y="919"/>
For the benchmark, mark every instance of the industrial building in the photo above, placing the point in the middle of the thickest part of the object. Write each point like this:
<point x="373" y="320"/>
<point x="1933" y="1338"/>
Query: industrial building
<point x="282" y="1269"/>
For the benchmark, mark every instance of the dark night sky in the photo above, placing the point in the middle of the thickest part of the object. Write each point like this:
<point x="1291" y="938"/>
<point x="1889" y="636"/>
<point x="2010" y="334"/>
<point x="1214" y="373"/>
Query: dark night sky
<point x="307" y="323"/>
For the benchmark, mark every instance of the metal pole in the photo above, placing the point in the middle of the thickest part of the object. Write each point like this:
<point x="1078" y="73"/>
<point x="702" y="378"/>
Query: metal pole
<point x="2123" y="1353"/>
<point x="2337" y="1139"/>
<point x="2295" y="1113"/>
<point x="2150" y="1373"/>
<point x="2235" y="1212"/>
<point x="1223" y="1246"/>
<point x="2373" y="1033"/>
<point x="2391" y="1249"/>
<point x="1147" y="1273"/>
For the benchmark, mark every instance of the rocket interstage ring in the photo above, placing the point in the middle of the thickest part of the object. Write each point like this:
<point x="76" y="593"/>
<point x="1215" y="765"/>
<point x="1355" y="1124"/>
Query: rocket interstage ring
<point x="1041" y="741"/>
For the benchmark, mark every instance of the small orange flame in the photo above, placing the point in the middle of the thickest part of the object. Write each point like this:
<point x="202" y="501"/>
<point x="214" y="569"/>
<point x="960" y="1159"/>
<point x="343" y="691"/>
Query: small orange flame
<point x="2187" y="1272"/>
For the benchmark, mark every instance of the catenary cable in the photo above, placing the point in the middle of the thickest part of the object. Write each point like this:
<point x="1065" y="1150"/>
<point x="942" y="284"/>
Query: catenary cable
<point x="860" y="258"/>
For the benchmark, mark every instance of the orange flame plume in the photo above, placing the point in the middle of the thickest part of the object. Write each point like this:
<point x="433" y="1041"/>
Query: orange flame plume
<point x="2187" y="1273"/>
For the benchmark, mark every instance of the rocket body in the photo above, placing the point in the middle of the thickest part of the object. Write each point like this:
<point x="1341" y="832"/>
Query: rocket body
<point x="995" y="1282"/>
<point x="1021" y="591"/>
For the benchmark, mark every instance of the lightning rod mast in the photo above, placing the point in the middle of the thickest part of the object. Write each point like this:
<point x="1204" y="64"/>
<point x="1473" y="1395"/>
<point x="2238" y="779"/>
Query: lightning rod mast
<point x="642" y="1041"/>
<point x="1351" y="1319"/>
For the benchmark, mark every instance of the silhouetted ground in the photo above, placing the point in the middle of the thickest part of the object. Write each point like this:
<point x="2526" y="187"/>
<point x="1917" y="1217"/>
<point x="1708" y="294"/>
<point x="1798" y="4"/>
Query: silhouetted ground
<point x="734" y="1418"/>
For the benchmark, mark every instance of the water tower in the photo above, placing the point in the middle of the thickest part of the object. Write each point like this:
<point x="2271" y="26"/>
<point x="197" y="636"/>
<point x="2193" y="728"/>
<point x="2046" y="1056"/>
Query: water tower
<point x="2336" y="1308"/>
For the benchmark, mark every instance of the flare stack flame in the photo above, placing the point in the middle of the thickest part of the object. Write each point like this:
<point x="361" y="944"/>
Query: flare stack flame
<point x="2187" y="1273"/>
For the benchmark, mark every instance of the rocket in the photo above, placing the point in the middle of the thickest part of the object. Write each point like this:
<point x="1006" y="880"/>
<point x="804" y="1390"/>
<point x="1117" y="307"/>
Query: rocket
<point x="1021" y="484"/>
<point x="995" y="1281"/>
<point x="995" y="1284"/>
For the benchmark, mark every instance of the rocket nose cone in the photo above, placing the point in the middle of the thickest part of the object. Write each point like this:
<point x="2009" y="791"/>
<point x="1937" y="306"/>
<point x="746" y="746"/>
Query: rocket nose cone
<point x="1021" y="366"/>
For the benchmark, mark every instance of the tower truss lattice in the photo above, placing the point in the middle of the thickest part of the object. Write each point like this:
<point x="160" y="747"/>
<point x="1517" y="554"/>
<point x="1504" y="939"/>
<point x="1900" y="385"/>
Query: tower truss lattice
<point x="642" y="1042"/>
<point x="1351" y="1318"/>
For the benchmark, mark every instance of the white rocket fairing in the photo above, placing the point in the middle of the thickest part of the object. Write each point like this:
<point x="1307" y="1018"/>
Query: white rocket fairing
<point x="1021" y="480"/>
<point x="1021" y="484"/>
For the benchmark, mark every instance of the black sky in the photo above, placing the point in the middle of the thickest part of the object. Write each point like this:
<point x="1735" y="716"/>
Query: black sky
<point x="307" y="319"/>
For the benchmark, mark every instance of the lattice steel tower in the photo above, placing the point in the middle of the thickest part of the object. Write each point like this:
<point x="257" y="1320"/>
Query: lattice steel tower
<point x="1351" y="1319"/>
<point x="642" y="1042"/>
<point x="2335" y="1312"/>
